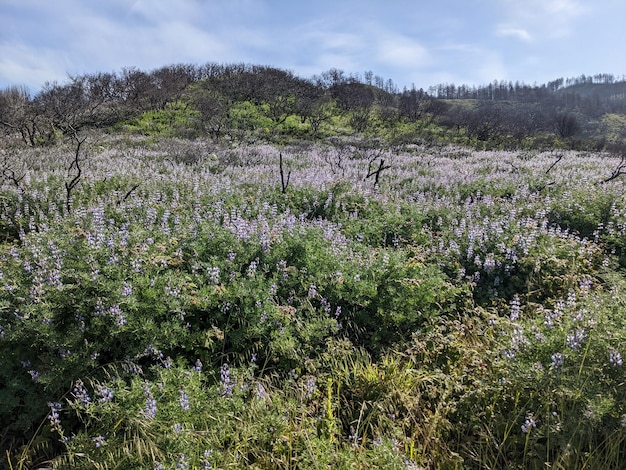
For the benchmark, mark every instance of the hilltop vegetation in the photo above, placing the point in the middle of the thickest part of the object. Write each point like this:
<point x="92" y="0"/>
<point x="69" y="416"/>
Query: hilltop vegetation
<point x="243" y="103"/>
<point x="233" y="267"/>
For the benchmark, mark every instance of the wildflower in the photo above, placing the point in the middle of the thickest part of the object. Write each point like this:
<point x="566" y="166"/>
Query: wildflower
<point x="206" y="462"/>
<point x="515" y="308"/>
<point x="178" y="428"/>
<point x="615" y="358"/>
<point x="252" y="268"/>
<point x="214" y="275"/>
<point x="105" y="394"/>
<point x="98" y="440"/>
<point x="183" y="462"/>
<point x="127" y="290"/>
<point x="529" y="423"/>
<point x="355" y="439"/>
<point x="198" y="366"/>
<point x="116" y="312"/>
<point x="54" y="417"/>
<point x="80" y="393"/>
<point x="575" y="340"/>
<point x="310" y="387"/>
<point x="557" y="360"/>
<point x="64" y="353"/>
<point x="490" y="263"/>
<point x="150" y="408"/>
<point x="183" y="400"/>
<point x="585" y="286"/>
<point x="158" y="466"/>
<point x="34" y="375"/>
<point x="261" y="393"/>
<point x="312" y="290"/>
<point x="227" y="384"/>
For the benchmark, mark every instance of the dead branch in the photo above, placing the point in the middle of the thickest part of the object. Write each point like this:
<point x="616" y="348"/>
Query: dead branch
<point x="376" y="172"/>
<point x="284" y="183"/>
<point x="9" y="173"/>
<point x="128" y="193"/>
<point x="619" y="170"/>
<point x="74" y="165"/>
<point x="560" y="157"/>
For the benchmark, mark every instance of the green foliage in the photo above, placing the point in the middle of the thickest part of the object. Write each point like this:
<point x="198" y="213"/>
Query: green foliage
<point x="176" y="118"/>
<point x="172" y="318"/>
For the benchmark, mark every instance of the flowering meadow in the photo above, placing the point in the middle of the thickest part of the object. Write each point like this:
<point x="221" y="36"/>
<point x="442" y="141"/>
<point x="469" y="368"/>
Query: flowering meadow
<point x="170" y="304"/>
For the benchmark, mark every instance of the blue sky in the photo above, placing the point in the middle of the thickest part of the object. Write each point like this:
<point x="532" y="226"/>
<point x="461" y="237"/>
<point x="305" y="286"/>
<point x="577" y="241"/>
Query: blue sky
<point x="421" y="42"/>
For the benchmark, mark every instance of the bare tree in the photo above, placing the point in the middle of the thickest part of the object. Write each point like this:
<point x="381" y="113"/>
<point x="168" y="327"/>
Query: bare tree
<point x="335" y="156"/>
<point x="75" y="166"/>
<point x="19" y="115"/>
<point x="566" y="125"/>
<point x="8" y="166"/>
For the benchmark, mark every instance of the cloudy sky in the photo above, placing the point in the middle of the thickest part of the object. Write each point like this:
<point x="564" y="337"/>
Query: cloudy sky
<point x="421" y="42"/>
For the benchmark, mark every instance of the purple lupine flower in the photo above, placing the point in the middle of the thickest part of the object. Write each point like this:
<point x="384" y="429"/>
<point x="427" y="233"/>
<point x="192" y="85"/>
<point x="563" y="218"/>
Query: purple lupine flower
<point x="615" y="358"/>
<point x="198" y="366"/>
<point x="575" y="340"/>
<point x="98" y="440"/>
<point x="227" y="384"/>
<point x="116" y="312"/>
<point x="310" y="387"/>
<point x="127" y="290"/>
<point x="183" y="400"/>
<point x="150" y="408"/>
<point x="557" y="360"/>
<point x="515" y="308"/>
<point x="34" y="375"/>
<point x="80" y="393"/>
<point x="206" y="460"/>
<point x="105" y="394"/>
<point x="53" y="417"/>
<point x="214" y="275"/>
<point x="183" y="462"/>
<point x="529" y="423"/>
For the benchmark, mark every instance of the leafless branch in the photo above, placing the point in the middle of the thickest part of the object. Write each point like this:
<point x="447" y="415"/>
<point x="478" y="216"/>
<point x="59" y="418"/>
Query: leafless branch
<point x="284" y="183"/>
<point x="74" y="165"/>
<point x="128" y="193"/>
<point x="560" y="157"/>
<point x="376" y="173"/>
<point x="618" y="171"/>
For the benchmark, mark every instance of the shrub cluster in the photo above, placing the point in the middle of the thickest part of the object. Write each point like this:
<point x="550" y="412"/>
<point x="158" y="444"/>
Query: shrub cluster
<point x="192" y="313"/>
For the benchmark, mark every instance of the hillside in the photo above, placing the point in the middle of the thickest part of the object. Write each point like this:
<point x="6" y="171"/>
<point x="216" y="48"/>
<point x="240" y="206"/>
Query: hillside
<point x="234" y="267"/>
<point x="240" y="102"/>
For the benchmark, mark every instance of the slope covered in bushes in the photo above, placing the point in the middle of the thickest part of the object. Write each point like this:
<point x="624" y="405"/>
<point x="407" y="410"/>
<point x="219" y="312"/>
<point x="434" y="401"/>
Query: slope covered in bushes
<point x="181" y="306"/>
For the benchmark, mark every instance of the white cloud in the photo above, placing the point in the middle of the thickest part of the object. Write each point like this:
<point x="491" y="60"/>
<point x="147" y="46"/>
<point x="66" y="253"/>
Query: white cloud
<point x="540" y="18"/>
<point x="519" y="33"/>
<point x="23" y="65"/>
<point x="399" y="51"/>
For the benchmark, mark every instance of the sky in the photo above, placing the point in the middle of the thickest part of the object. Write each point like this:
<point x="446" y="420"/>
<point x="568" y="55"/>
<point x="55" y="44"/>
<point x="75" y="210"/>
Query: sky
<point x="419" y="42"/>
